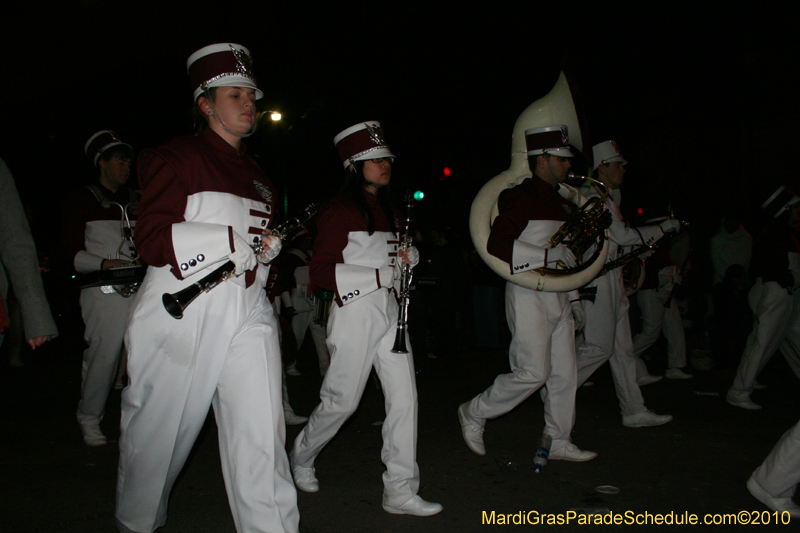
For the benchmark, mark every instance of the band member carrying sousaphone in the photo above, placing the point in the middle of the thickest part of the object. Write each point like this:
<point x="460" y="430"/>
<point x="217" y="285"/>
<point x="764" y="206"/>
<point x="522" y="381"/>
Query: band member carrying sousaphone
<point x="356" y="255"/>
<point x="205" y="202"/>
<point x="542" y="324"/>
<point x="93" y="241"/>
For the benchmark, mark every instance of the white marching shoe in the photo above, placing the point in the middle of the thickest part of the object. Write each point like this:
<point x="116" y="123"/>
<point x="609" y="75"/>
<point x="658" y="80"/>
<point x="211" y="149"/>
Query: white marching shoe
<point x="742" y="400"/>
<point x="92" y="436"/>
<point x="677" y="373"/>
<point x="645" y="419"/>
<point x="293" y="419"/>
<point x="776" y="504"/>
<point x="305" y="478"/>
<point x="647" y="379"/>
<point x="570" y="452"/>
<point x="473" y="435"/>
<point x="416" y="506"/>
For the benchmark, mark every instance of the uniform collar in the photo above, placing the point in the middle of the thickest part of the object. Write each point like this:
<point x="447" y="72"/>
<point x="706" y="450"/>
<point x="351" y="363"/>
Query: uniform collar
<point x="221" y="144"/>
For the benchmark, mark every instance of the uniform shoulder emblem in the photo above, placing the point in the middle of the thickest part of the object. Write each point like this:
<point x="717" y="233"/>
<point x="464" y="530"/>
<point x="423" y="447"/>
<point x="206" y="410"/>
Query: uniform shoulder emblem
<point x="263" y="191"/>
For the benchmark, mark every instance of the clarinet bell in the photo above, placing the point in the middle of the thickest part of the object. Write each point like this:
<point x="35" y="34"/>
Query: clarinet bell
<point x="400" y="341"/>
<point x="177" y="302"/>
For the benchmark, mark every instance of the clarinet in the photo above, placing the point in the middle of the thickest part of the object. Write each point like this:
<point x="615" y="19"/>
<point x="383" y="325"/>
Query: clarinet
<point x="176" y="303"/>
<point x="405" y="281"/>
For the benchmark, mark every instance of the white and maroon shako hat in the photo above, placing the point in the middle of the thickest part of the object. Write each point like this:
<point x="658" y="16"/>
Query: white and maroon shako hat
<point x="779" y="201"/>
<point x="362" y="141"/>
<point x="221" y="65"/>
<point x="606" y="152"/>
<point x="100" y="142"/>
<point x="553" y="140"/>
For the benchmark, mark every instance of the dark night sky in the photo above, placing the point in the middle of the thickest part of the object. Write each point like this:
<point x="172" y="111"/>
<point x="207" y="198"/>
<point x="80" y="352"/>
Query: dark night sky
<point x="702" y="101"/>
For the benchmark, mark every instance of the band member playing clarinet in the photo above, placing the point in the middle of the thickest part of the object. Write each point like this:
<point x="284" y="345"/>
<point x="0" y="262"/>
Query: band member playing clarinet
<point x="205" y="202"/>
<point x="356" y="256"/>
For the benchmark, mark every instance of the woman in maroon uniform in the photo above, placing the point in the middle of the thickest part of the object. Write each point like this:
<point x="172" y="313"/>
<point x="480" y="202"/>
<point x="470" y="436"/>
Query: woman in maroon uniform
<point x="205" y="201"/>
<point x="356" y="256"/>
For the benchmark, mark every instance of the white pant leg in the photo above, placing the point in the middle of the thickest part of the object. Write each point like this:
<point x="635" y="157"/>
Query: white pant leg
<point x="532" y="318"/>
<point x="173" y="378"/>
<point x="399" y="430"/>
<point x="772" y="309"/>
<point x="676" y="337"/>
<point x="559" y="401"/>
<point x="623" y="364"/>
<point x="641" y="367"/>
<point x="652" y="307"/>
<point x="355" y="332"/>
<point x="790" y="347"/>
<point x="174" y="367"/>
<point x="321" y="344"/>
<point x="598" y="333"/>
<point x="105" y="316"/>
<point x="779" y="474"/>
<point x="249" y="414"/>
<point x="607" y="337"/>
<point x="300" y="323"/>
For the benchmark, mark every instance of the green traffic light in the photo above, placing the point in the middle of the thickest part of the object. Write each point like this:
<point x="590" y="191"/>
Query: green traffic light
<point x="419" y="195"/>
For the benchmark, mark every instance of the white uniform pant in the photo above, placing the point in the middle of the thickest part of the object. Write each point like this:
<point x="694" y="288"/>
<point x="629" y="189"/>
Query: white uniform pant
<point x="542" y="352"/>
<point x="360" y="337"/>
<point x="301" y="322"/>
<point x="776" y="320"/>
<point x="779" y="474"/>
<point x="656" y="318"/>
<point x="105" y="316"/>
<point x="607" y="337"/>
<point x="223" y="353"/>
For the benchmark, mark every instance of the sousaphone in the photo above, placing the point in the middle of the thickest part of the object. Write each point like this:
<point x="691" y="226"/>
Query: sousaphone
<point x="556" y="107"/>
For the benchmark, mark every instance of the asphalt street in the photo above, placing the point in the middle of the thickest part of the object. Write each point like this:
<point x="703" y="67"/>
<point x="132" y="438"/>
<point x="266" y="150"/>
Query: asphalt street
<point x="698" y="464"/>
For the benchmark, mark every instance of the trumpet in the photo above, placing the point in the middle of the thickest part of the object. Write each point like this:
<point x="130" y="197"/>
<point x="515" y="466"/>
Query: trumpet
<point x="177" y="302"/>
<point x="405" y="281"/>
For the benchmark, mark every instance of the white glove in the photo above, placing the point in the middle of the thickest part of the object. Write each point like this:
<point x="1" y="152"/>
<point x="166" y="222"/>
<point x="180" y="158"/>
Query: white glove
<point x="271" y="246"/>
<point x="412" y="255"/>
<point x="670" y="225"/>
<point x="387" y="275"/>
<point x="578" y="314"/>
<point x="647" y="254"/>
<point x="243" y="256"/>
<point x="563" y="254"/>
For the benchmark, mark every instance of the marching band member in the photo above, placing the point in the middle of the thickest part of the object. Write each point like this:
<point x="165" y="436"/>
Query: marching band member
<point x="298" y="258"/>
<point x="205" y="201"/>
<point x="774" y="297"/>
<point x="660" y="313"/>
<point x="607" y="335"/>
<point x="91" y="237"/>
<point x="356" y="255"/>
<point x="542" y="324"/>
<point x="279" y="283"/>
<point x="774" y="483"/>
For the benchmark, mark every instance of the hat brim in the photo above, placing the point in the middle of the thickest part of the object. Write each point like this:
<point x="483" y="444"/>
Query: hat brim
<point x="231" y="81"/>
<point x="615" y="159"/>
<point x="560" y="152"/>
<point x="382" y="151"/>
<point x="107" y="148"/>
